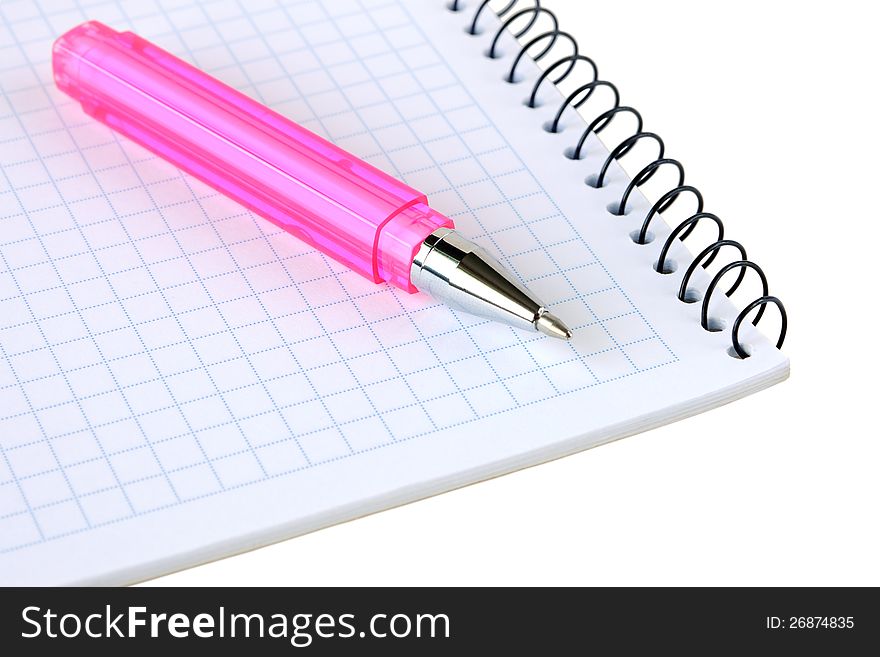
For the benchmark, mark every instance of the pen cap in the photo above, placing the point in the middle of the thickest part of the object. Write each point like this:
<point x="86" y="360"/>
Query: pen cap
<point x="345" y="207"/>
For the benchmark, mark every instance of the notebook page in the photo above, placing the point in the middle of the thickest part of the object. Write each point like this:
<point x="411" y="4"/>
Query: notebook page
<point x="180" y="380"/>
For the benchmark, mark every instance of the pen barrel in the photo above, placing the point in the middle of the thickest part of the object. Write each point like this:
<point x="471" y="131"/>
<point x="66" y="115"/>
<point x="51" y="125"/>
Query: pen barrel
<point x="343" y="206"/>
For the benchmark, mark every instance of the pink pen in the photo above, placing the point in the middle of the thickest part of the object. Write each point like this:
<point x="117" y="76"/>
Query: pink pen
<point x="353" y="212"/>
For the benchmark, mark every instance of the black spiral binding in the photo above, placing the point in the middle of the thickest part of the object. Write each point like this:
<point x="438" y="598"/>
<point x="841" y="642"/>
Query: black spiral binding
<point x="511" y="13"/>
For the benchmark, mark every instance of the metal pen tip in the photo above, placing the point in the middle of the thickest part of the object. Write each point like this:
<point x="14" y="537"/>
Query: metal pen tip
<point x="550" y="324"/>
<point x="454" y="270"/>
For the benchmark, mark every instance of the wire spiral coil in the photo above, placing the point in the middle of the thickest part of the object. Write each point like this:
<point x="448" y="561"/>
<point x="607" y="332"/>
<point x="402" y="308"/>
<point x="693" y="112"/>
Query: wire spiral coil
<point x="547" y="39"/>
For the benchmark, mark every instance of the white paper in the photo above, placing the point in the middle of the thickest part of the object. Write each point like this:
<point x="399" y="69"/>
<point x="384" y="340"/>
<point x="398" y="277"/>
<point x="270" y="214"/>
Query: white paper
<point x="180" y="380"/>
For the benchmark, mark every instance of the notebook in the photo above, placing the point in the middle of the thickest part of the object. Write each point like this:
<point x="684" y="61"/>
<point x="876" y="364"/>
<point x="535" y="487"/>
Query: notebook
<point x="181" y="381"/>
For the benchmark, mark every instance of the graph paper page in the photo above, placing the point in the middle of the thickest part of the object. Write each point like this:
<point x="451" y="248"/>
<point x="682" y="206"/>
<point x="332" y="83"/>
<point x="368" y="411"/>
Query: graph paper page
<point x="180" y="380"/>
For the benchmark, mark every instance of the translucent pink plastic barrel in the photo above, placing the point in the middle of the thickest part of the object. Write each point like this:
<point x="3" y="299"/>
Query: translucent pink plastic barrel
<point x="336" y="202"/>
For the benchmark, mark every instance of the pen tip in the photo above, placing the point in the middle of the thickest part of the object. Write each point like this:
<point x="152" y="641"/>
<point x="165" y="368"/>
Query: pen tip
<point x="550" y="324"/>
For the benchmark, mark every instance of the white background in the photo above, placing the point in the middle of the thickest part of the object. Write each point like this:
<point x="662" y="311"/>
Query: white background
<point x="771" y="107"/>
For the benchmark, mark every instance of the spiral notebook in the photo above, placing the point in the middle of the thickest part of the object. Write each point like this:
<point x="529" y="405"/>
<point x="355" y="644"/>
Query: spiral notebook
<point x="181" y="381"/>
